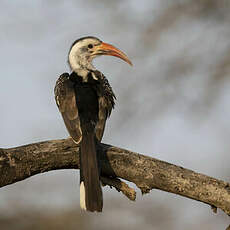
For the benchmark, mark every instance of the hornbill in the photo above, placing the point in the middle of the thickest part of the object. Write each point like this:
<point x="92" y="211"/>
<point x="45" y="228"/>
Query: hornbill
<point x="85" y="100"/>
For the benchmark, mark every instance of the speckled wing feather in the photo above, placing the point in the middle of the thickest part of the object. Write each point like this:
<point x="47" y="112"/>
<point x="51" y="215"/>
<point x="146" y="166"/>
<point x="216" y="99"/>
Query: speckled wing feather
<point x="106" y="103"/>
<point x="102" y="116"/>
<point x="66" y="101"/>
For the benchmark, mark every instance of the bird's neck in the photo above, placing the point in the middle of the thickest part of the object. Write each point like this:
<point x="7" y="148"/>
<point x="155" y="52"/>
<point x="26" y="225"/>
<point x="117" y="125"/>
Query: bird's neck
<point x="84" y="73"/>
<point x="82" y="66"/>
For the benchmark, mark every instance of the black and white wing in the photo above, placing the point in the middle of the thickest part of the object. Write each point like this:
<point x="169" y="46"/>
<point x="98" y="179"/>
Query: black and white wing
<point x="66" y="101"/>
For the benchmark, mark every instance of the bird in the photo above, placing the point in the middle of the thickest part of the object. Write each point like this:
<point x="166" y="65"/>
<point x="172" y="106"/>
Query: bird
<point x="85" y="100"/>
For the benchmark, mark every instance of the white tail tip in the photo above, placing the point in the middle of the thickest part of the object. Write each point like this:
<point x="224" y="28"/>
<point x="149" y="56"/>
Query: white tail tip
<point x="82" y="196"/>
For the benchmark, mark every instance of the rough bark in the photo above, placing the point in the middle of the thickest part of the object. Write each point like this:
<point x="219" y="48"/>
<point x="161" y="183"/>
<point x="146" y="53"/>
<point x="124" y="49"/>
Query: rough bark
<point x="147" y="173"/>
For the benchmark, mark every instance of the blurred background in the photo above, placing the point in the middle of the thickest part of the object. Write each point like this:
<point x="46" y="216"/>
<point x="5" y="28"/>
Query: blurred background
<point x="173" y="104"/>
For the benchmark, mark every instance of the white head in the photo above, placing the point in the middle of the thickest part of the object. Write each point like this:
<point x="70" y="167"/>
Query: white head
<point x="85" y="49"/>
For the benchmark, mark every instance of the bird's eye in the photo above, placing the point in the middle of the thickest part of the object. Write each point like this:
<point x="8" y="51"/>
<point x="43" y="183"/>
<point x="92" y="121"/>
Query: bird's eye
<point x="90" y="46"/>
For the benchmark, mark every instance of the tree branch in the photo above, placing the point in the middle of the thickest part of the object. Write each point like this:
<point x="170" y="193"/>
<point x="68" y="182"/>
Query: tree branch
<point x="120" y="186"/>
<point x="147" y="173"/>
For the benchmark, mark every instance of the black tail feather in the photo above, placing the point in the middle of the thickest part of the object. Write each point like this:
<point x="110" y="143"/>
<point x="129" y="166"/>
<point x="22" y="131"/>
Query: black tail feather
<point x="90" y="189"/>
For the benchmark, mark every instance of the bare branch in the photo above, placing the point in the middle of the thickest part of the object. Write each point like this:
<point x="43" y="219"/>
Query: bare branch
<point x="120" y="186"/>
<point x="147" y="173"/>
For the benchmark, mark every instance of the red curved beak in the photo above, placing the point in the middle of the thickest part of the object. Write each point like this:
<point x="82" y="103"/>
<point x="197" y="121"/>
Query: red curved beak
<point x="107" y="49"/>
